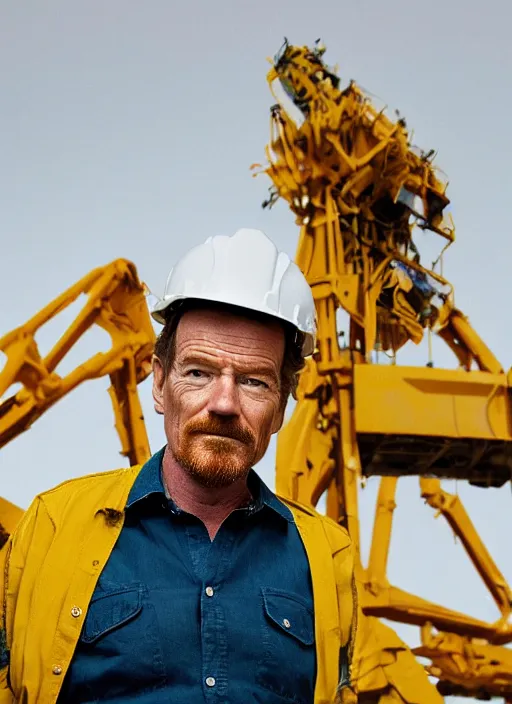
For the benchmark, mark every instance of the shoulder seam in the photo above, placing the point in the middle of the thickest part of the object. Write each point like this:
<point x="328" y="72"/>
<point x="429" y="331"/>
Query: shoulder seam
<point x="76" y="480"/>
<point x="309" y="510"/>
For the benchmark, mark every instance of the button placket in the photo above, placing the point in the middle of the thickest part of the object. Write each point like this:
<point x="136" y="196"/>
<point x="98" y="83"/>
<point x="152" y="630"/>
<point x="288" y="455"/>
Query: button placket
<point x="213" y="617"/>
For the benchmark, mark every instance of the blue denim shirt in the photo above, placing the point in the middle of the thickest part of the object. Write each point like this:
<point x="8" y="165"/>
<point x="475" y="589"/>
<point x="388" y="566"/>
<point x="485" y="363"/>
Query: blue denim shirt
<point x="180" y="619"/>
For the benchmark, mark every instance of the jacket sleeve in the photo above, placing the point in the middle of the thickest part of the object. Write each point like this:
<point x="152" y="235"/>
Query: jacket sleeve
<point x="12" y="559"/>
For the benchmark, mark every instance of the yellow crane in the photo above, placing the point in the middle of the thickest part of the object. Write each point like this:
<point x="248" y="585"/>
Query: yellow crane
<point x="115" y="302"/>
<point x="359" y="192"/>
<point x="358" y="189"/>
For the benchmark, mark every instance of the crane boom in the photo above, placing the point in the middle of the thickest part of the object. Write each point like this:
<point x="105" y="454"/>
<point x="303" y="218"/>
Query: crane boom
<point x="116" y="303"/>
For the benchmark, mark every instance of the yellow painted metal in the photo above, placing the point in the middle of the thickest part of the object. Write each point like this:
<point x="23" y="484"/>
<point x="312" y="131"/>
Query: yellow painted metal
<point x="115" y="302"/>
<point x="474" y="667"/>
<point x="449" y="403"/>
<point x="360" y="192"/>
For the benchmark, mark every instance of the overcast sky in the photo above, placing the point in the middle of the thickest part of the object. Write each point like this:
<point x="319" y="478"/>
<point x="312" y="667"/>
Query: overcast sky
<point x="127" y="130"/>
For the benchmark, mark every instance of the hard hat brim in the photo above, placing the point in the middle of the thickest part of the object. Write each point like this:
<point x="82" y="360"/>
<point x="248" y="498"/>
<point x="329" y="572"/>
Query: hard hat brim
<point x="158" y="314"/>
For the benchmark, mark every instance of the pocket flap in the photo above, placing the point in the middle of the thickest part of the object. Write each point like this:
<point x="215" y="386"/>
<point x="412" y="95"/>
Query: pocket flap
<point x="290" y="613"/>
<point x="108" y="611"/>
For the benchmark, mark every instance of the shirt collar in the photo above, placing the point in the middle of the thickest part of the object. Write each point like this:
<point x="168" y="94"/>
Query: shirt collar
<point x="263" y="496"/>
<point x="149" y="481"/>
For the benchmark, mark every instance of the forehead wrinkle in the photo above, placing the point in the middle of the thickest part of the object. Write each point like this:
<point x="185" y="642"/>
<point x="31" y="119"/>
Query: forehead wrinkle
<point x="206" y="335"/>
<point x="242" y="361"/>
<point x="193" y="325"/>
<point x="231" y="344"/>
<point x="238" y="360"/>
<point x="241" y="346"/>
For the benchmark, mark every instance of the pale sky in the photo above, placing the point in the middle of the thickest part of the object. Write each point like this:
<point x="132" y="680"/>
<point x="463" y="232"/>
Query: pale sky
<point x="128" y="129"/>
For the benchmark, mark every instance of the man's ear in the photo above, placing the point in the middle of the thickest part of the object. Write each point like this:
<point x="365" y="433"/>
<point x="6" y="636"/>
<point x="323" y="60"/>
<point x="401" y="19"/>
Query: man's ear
<point x="158" y="384"/>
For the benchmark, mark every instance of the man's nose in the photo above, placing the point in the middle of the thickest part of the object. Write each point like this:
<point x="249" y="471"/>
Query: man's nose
<point x="224" y="399"/>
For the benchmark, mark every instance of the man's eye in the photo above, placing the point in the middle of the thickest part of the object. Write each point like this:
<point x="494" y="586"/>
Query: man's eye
<point x="196" y="373"/>
<point x="254" y="382"/>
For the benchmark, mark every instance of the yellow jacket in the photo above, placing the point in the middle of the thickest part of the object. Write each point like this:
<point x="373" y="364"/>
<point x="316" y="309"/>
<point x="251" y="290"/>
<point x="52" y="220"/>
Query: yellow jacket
<point x="53" y="560"/>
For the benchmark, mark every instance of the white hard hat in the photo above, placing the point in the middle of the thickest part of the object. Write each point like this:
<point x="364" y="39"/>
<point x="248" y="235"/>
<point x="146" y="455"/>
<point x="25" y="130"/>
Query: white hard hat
<point x="244" y="270"/>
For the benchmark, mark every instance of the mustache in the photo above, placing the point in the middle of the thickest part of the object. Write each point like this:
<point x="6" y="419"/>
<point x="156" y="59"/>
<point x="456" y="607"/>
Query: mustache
<point x="223" y="428"/>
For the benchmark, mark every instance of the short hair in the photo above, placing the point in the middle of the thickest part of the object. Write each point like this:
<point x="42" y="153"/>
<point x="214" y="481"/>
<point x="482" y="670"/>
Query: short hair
<point x="293" y="359"/>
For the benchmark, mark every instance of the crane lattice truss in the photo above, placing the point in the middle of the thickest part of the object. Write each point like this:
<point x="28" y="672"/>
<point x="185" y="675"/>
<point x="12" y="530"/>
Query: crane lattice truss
<point x="359" y="192"/>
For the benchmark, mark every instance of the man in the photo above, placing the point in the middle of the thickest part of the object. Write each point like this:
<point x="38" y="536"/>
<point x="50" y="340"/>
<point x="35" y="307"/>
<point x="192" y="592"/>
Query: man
<point x="187" y="580"/>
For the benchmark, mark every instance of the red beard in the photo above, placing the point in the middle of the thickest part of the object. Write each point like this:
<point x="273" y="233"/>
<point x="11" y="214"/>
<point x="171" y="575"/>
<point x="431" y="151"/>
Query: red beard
<point x="216" y="452"/>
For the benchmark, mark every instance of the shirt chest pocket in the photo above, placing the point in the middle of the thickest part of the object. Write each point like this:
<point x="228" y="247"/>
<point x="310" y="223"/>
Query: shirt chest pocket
<point x="119" y="650"/>
<point x="110" y="611"/>
<point x="288" y="639"/>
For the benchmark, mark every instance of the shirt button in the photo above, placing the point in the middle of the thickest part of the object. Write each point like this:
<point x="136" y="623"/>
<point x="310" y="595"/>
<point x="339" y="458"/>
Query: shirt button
<point x="209" y="592"/>
<point x="210" y="681"/>
<point x="57" y="670"/>
<point x="286" y="623"/>
<point x="76" y="611"/>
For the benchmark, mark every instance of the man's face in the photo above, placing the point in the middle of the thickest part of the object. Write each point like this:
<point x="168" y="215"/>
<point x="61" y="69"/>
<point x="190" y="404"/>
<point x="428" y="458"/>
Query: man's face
<point x="221" y="398"/>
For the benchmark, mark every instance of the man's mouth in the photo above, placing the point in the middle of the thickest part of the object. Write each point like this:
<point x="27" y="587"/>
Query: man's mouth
<point x="244" y="437"/>
<point x="221" y="435"/>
